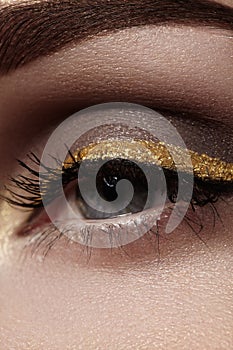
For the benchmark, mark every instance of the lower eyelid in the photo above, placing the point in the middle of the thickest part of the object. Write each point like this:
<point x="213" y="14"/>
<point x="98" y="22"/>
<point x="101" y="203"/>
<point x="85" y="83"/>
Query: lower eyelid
<point x="194" y="233"/>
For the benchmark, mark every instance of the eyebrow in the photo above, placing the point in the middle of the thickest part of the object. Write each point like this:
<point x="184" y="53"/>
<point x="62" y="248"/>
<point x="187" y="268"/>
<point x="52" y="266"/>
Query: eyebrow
<point x="30" y="30"/>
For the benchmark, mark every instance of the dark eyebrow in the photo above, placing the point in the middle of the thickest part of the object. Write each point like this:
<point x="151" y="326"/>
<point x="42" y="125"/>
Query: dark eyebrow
<point x="29" y="30"/>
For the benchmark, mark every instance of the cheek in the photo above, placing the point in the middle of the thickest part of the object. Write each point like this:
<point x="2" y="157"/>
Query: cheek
<point x="69" y="300"/>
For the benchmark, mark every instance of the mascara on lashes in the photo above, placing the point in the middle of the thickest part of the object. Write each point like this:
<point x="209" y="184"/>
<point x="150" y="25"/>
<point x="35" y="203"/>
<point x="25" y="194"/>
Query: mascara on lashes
<point x="213" y="177"/>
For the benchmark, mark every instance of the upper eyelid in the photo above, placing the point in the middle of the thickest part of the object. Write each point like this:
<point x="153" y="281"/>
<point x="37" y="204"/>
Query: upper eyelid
<point x="181" y="81"/>
<point x="55" y="99"/>
<point x="24" y="24"/>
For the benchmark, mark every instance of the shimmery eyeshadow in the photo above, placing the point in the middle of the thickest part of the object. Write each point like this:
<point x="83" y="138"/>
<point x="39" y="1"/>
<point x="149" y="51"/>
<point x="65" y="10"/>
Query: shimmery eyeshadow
<point x="141" y="151"/>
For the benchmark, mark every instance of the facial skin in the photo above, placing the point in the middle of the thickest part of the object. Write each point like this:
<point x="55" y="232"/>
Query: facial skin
<point x="119" y="299"/>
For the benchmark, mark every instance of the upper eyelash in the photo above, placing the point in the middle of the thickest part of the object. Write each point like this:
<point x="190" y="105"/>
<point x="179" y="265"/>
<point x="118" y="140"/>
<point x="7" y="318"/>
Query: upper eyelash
<point x="204" y="191"/>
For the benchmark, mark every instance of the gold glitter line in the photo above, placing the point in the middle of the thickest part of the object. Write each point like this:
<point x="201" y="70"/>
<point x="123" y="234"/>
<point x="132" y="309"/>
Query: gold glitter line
<point x="141" y="151"/>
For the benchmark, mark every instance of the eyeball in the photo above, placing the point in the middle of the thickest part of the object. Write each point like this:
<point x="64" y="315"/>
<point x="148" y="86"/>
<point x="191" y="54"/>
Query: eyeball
<point x="107" y="141"/>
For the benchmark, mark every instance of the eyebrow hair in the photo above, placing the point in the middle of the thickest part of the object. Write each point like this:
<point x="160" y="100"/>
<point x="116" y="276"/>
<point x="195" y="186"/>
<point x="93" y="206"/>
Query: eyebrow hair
<point x="30" y="30"/>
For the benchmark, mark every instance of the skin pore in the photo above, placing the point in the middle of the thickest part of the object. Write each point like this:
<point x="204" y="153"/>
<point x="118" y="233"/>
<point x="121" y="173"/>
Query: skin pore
<point x="119" y="299"/>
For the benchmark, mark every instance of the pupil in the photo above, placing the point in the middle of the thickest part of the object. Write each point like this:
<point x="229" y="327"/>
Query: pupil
<point x="107" y="179"/>
<point x="109" y="188"/>
<point x="120" y="169"/>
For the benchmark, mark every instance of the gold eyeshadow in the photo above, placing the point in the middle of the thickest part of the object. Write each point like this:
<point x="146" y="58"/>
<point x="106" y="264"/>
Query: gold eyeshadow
<point x="157" y="153"/>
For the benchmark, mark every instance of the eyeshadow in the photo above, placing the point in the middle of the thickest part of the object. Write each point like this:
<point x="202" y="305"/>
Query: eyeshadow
<point x="204" y="136"/>
<point x="156" y="153"/>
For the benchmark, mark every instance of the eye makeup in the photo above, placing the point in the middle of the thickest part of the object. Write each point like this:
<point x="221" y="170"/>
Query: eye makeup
<point x="96" y="135"/>
<point x="213" y="177"/>
<point x="204" y="167"/>
<point x="205" y="192"/>
<point x="211" y="183"/>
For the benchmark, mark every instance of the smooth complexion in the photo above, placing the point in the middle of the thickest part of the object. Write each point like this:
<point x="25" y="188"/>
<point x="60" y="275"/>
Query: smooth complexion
<point x="115" y="300"/>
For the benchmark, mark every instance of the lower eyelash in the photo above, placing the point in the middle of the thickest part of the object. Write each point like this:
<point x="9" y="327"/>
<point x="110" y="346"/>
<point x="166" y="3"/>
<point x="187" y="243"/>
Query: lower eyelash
<point x="41" y="241"/>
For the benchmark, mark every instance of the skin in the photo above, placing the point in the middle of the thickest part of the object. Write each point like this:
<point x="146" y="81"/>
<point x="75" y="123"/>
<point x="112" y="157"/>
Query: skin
<point x="116" y="300"/>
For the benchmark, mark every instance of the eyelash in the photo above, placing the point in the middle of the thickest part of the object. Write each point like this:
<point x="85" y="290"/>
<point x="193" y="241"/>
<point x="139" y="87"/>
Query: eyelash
<point x="204" y="193"/>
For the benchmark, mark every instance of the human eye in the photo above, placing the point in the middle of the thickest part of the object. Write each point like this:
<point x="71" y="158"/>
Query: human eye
<point x="78" y="268"/>
<point x="126" y="172"/>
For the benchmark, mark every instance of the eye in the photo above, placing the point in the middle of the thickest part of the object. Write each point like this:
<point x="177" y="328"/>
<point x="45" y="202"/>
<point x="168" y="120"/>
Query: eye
<point x="129" y="174"/>
<point x="185" y="99"/>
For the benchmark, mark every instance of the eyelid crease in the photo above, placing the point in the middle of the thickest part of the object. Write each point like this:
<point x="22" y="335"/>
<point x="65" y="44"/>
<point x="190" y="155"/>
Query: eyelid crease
<point x="204" y="167"/>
